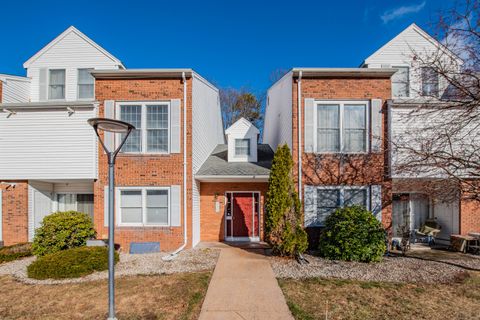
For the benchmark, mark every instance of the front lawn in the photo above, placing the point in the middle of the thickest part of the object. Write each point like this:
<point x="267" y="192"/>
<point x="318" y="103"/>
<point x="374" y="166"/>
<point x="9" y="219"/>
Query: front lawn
<point x="176" y="296"/>
<point x="308" y="299"/>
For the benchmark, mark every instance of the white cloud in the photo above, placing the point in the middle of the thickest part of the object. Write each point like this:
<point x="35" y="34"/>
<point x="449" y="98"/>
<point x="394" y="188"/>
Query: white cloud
<point x="399" y="12"/>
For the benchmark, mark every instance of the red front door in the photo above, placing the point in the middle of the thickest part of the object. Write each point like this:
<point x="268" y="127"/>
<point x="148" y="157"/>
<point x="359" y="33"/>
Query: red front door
<point x="242" y="214"/>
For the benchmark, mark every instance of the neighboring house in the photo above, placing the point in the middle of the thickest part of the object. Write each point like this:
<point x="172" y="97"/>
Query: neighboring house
<point x="415" y="85"/>
<point x="334" y="121"/>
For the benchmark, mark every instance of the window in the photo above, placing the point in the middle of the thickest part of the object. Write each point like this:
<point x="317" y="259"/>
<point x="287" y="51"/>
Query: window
<point x="56" y="85"/>
<point x="242" y="147"/>
<point x="341" y="127"/>
<point x="75" y="202"/>
<point x="329" y="199"/>
<point x="401" y="82"/>
<point x="151" y="121"/>
<point x="85" y="84"/>
<point x="144" y="207"/>
<point x="429" y="82"/>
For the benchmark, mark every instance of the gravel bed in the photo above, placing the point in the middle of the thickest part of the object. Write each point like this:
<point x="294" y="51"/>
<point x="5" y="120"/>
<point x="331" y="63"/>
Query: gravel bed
<point x="391" y="269"/>
<point x="192" y="260"/>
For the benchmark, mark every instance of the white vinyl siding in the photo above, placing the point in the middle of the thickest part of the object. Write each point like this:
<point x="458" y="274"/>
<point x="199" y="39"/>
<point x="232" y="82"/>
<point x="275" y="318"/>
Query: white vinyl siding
<point x="143" y="206"/>
<point x="48" y="144"/>
<point x="322" y="201"/>
<point x="86" y="83"/>
<point x="14" y="89"/>
<point x="152" y="126"/>
<point x="341" y="127"/>
<point x="56" y="84"/>
<point x="205" y="110"/>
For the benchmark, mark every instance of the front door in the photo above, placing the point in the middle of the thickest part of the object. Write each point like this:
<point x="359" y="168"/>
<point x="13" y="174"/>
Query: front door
<point x="242" y="216"/>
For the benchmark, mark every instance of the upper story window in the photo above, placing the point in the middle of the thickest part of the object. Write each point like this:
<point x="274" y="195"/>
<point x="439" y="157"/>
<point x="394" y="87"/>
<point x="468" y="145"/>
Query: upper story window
<point x="242" y="147"/>
<point x="401" y="82"/>
<point x="429" y="81"/>
<point x="152" y="131"/>
<point x="341" y="127"/>
<point x="56" y="84"/>
<point x="144" y="206"/>
<point x="85" y="84"/>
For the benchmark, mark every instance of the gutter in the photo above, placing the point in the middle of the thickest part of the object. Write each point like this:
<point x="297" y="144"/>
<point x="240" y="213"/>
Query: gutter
<point x="299" y="129"/>
<point x="174" y="254"/>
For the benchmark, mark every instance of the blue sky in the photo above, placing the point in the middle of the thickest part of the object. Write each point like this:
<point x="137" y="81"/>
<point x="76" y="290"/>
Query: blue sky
<point x="231" y="43"/>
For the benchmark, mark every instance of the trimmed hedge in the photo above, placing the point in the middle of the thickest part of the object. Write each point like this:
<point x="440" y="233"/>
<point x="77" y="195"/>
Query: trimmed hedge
<point x="352" y="234"/>
<point x="15" y="252"/>
<point x="71" y="263"/>
<point x="61" y="231"/>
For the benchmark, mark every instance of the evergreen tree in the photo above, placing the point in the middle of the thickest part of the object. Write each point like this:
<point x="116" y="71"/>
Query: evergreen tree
<point x="284" y="217"/>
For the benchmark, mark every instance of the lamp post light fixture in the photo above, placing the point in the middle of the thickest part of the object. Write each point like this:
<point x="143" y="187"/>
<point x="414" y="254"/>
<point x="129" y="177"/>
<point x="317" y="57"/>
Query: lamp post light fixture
<point x="112" y="126"/>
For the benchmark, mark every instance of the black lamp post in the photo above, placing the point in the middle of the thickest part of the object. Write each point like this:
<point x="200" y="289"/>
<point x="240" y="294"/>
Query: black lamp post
<point x="114" y="126"/>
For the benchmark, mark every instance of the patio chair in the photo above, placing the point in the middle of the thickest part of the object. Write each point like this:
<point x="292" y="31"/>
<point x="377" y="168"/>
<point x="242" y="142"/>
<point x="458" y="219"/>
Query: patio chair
<point x="428" y="232"/>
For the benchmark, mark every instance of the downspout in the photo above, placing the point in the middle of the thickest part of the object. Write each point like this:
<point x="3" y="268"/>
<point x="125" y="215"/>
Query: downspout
<point x="174" y="254"/>
<point x="299" y="128"/>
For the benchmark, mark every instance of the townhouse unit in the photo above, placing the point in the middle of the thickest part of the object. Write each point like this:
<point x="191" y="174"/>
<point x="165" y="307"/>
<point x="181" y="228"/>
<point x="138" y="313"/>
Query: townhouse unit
<point x="182" y="179"/>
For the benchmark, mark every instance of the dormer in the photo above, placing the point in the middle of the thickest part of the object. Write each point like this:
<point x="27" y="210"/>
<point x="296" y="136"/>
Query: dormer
<point x="242" y="137"/>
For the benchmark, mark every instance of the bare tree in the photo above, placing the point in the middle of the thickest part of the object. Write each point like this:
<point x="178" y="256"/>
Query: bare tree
<point x="237" y="103"/>
<point x="442" y="139"/>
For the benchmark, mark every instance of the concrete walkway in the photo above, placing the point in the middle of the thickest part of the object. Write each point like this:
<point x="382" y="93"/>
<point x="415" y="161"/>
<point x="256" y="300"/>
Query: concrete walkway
<point x="243" y="287"/>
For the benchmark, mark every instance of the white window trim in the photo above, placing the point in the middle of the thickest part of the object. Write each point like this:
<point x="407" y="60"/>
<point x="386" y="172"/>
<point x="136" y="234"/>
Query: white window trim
<point x="144" y="190"/>
<point x="48" y="85"/>
<point x="409" y="82"/>
<point x="342" y="196"/>
<point x="342" y="103"/>
<point x="144" y="105"/>
<point x="78" y="86"/>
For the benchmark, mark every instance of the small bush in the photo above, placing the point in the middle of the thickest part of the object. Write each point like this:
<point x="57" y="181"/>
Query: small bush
<point x="352" y="234"/>
<point x="71" y="263"/>
<point x="61" y="231"/>
<point x="15" y="252"/>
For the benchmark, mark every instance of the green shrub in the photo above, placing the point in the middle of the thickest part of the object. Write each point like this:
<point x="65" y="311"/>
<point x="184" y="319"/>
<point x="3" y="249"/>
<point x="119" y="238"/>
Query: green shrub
<point x="352" y="234"/>
<point x="71" y="263"/>
<point x="15" y="252"/>
<point x="283" y="214"/>
<point x="61" y="231"/>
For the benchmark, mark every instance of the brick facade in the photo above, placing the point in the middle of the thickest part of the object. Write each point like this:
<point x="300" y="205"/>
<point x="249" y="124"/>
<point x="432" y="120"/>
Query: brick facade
<point x="211" y="222"/>
<point x="334" y="170"/>
<point x="145" y="170"/>
<point x="15" y="212"/>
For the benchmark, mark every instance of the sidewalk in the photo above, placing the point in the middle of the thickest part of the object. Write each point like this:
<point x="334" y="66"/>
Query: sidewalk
<point x="243" y="287"/>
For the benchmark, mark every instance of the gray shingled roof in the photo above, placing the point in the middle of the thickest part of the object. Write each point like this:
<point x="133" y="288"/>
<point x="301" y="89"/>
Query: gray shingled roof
<point x="217" y="163"/>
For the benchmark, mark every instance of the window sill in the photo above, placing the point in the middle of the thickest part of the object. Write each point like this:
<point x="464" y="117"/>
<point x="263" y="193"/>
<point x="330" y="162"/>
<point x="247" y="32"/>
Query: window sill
<point x="124" y="226"/>
<point x="130" y="155"/>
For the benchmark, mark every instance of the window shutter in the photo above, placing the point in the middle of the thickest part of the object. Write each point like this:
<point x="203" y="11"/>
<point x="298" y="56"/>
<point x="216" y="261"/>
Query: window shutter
<point x="105" y="207"/>
<point x="376" y="125"/>
<point x="310" y="204"/>
<point x="42" y="84"/>
<point x="376" y="201"/>
<point x="109" y="112"/>
<point x="308" y="125"/>
<point x="175" y="215"/>
<point x="175" y="126"/>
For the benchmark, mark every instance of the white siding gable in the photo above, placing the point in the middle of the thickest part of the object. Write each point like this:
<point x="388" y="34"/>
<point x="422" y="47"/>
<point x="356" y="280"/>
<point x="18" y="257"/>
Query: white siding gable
<point x="71" y="50"/>
<point x="242" y="129"/>
<point x="401" y="52"/>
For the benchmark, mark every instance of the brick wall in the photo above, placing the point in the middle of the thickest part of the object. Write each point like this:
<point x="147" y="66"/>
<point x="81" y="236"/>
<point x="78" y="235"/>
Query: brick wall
<point x="347" y="170"/>
<point x="212" y="226"/>
<point x="15" y="212"/>
<point x="145" y="170"/>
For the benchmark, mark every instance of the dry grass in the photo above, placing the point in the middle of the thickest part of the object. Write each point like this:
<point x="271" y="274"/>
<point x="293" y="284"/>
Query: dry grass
<point x="177" y="296"/>
<point x="348" y="299"/>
